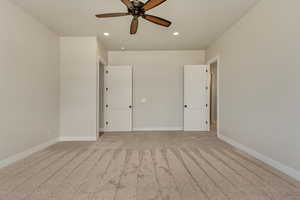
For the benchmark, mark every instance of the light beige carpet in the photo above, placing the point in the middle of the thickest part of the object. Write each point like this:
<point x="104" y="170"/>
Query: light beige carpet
<point x="145" y="167"/>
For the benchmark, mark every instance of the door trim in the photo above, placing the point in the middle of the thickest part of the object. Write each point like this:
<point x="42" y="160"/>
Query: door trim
<point x="209" y="62"/>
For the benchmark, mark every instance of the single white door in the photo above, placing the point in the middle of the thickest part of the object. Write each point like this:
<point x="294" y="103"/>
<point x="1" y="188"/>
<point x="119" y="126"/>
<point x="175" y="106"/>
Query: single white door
<point x="118" y="98"/>
<point x="196" y="98"/>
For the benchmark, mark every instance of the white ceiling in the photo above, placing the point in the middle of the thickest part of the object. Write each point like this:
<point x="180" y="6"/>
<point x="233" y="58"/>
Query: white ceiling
<point x="199" y="22"/>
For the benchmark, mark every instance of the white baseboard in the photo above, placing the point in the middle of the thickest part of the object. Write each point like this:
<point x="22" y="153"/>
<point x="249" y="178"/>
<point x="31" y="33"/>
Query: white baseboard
<point x="24" y="154"/>
<point x="103" y="130"/>
<point x="149" y="129"/>
<point x="73" y="139"/>
<point x="277" y="165"/>
<point x="159" y="129"/>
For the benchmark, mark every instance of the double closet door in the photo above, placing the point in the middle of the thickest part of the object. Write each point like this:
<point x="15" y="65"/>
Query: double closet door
<point x="196" y="98"/>
<point x="118" y="98"/>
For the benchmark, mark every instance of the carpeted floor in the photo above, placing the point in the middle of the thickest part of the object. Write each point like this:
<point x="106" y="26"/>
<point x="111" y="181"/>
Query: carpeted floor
<point x="152" y="166"/>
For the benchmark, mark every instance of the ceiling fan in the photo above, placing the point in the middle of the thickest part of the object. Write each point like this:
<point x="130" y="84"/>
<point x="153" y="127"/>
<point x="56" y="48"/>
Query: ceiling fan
<point x="138" y="9"/>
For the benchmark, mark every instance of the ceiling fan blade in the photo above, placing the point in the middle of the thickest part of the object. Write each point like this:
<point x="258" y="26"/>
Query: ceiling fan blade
<point x="134" y="25"/>
<point x="157" y="20"/>
<point x="152" y="3"/>
<point x="112" y="15"/>
<point x="127" y="3"/>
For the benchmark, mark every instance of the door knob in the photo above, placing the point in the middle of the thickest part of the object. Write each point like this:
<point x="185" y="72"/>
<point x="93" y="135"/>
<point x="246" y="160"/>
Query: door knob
<point x="130" y="107"/>
<point x="185" y="106"/>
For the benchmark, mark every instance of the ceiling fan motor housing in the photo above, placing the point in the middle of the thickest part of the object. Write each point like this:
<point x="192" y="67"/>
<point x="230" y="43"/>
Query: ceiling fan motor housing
<point x="137" y="8"/>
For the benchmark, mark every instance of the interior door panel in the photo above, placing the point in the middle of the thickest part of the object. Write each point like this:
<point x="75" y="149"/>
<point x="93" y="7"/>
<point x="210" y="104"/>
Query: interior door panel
<point x="118" y="98"/>
<point x="196" y="98"/>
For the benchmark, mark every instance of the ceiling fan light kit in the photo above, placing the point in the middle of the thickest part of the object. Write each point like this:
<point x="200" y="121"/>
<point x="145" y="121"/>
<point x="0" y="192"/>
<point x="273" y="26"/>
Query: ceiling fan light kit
<point x="138" y="9"/>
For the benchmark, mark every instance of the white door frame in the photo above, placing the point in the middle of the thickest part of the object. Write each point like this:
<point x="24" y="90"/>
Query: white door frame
<point x="211" y="61"/>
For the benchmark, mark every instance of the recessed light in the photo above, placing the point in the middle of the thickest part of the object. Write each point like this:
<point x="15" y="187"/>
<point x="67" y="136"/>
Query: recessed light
<point x="175" y="33"/>
<point x="122" y="48"/>
<point x="106" y="34"/>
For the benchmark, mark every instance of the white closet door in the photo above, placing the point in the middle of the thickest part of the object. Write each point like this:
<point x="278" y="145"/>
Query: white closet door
<point x="196" y="98"/>
<point x="118" y="98"/>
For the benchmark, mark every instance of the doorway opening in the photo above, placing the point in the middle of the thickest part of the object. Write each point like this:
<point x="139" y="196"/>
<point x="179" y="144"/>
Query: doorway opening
<point x="214" y="95"/>
<point x="101" y="99"/>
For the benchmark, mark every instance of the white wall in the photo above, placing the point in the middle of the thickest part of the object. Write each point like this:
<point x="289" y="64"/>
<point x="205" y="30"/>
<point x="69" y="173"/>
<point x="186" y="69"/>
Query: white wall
<point x="29" y="82"/>
<point x="78" y="88"/>
<point x="259" y="82"/>
<point x="158" y="77"/>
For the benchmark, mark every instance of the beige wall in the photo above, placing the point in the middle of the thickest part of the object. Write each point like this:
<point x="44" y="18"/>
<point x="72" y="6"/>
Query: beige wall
<point x="29" y="82"/>
<point x="259" y="81"/>
<point x="78" y="88"/>
<point x="158" y="77"/>
<point x="102" y="52"/>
